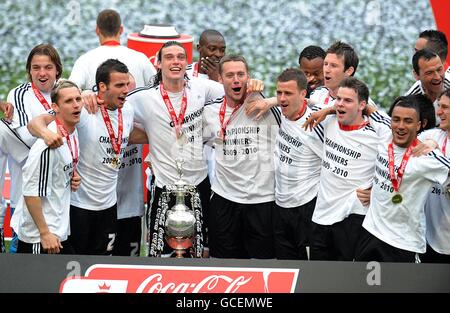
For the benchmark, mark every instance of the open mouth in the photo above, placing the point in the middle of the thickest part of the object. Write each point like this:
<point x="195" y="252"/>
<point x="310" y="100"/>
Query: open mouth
<point x="43" y="80"/>
<point x="236" y="89"/>
<point x="401" y="135"/>
<point x="175" y="69"/>
<point x="122" y="98"/>
<point x="77" y="113"/>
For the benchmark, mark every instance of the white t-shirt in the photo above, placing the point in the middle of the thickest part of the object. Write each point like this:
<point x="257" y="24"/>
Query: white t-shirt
<point x="130" y="201"/>
<point x="321" y="98"/>
<point x="15" y="151"/>
<point x="244" y="164"/>
<point x="190" y="71"/>
<point x="151" y="111"/>
<point x="208" y="151"/>
<point x="98" y="176"/>
<point x="47" y="174"/>
<point x="3" y="161"/>
<point x="297" y="163"/>
<point x="85" y="67"/>
<point x="403" y="225"/>
<point x="26" y="107"/>
<point x="348" y="162"/>
<point x="437" y="207"/>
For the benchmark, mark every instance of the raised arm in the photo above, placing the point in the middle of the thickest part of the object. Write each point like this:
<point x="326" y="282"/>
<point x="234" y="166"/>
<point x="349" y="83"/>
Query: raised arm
<point x="316" y="117"/>
<point x="138" y="136"/>
<point x="38" y="128"/>
<point x="260" y="106"/>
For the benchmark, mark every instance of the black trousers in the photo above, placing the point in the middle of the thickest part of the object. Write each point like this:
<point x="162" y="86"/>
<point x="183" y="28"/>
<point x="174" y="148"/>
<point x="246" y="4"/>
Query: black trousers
<point x="93" y="232"/>
<point x="128" y="238"/>
<point x="336" y="242"/>
<point x="241" y="230"/>
<point x="293" y="231"/>
<point x="370" y="248"/>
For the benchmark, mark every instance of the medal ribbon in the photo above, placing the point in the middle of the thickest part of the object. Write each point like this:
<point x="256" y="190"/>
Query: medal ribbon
<point x="195" y="72"/>
<point x="40" y="97"/>
<point x="223" y="123"/>
<point x="396" y="181"/>
<point x="302" y="109"/>
<point x="177" y="122"/>
<point x="444" y="146"/>
<point x="111" y="43"/>
<point x="352" y="127"/>
<point x="327" y="99"/>
<point x="73" y="150"/>
<point x="115" y="142"/>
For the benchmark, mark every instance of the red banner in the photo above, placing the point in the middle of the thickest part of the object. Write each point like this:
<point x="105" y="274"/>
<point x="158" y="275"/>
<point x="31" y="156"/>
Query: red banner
<point x="106" y="278"/>
<point x="441" y="9"/>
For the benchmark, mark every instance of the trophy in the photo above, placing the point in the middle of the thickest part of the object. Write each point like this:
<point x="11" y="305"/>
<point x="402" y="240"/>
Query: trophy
<point x="180" y="226"/>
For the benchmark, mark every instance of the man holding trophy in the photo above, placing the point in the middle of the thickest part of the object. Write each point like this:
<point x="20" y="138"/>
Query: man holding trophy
<point x="170" y="109"/>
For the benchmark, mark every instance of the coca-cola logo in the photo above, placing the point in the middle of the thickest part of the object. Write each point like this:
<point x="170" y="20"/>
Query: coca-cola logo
<point x="176" y="279"/>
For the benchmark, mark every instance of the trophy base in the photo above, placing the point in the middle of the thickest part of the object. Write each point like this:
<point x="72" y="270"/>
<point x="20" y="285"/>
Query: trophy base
<point x="180" y="245"/>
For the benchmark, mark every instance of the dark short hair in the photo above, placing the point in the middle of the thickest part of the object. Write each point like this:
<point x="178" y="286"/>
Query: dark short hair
<point x="61" y="84"/>
<point x="109" y="22"/>
<point x="232" y="58"/>
<point x="207" y="33"/>
<point x="296" y="75"/>
<point x="48" y="50"/>
<point x="345" y="50"/>
<point x="358" y="86"/>
<point x="446" y="93"/>
<point x="425" y="54"/>
<point x="103" y="74"/>
<point x="312" y="52"/>
<point x="434" y="34"/>
<point x="410" y="101"/>
<point x="439" y="47"/>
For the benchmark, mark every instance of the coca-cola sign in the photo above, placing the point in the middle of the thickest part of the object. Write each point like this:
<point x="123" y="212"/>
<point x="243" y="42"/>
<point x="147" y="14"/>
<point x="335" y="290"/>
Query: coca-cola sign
<point x="181" y="279"/>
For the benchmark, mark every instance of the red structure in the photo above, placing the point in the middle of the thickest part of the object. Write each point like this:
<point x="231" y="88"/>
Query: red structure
<point x="441" y="10"/>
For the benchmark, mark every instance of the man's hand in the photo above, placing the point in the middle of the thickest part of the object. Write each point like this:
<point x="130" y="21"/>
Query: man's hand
<point x="211" y="67"/>
<point x="364" y="196"/>
<point x="255" y="85"/>
<point x="91" y="101"/>
<point x="259" y="106"/>
<point x="316" y="117"/>
<point x="51" y="243"/>
<point x="51" y="139"/>
<point x="75" y="181"/>
<point x="424" y="148"/>
<point x="7" y="109"/>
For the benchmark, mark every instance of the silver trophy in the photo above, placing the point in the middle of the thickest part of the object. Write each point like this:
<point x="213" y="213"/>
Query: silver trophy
<point x="181" y="225"/>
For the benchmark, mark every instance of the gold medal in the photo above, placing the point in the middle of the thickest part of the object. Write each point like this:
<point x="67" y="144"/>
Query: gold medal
<point x="115" y="162"/>
<point x="182" y="139"/>
<point x="397" y="198"/>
